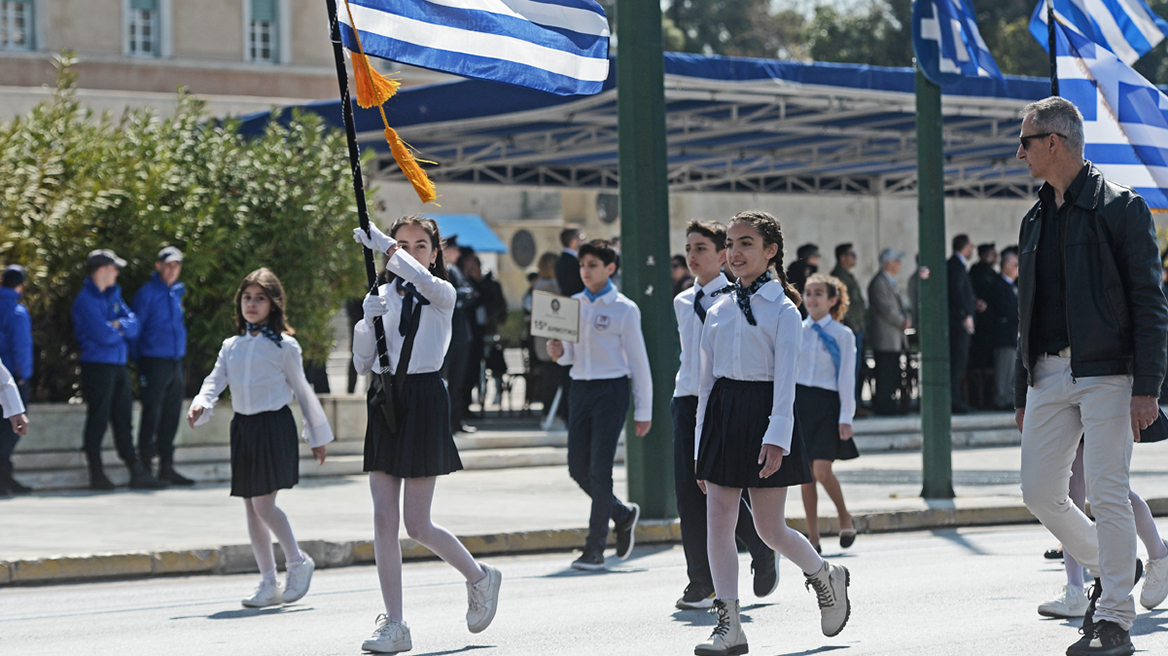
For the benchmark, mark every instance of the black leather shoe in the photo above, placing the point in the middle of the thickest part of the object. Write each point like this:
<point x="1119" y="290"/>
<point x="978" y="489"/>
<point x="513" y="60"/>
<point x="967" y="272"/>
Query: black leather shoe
<point x="626" y="532"/>
<point x="1053" y="554"/>
<point x="590" y="560"/>
<point x="142" y="479"/>
<point x="168" y="474"/>
<point x="98" y="480"/>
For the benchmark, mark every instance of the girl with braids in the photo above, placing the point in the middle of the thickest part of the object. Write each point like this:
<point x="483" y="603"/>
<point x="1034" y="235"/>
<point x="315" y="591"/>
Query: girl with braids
<point x="404" y="466"/>
<point x="262" y="365"/>
<point x="747" y="434"/>
<point x="825" y="398"/>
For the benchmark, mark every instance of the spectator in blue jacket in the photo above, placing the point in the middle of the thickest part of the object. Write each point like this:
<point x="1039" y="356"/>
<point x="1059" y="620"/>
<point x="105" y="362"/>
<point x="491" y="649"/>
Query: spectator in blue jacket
<point x="159" y="349"/>
<point x="16" y="355"/>
<point x="103" y="325"/>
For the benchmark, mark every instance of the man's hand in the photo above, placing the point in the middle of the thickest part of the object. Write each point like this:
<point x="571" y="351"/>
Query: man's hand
<point x="1018" y="414"/>
<point x="19" y="424"/>
<point x="771" y="458"/>
<point x="641" y="428"/>
<point x="555" y="348"/>
<point x="968" y="324"/>
<point x="1144" y="411"/>
<point x="981" y="305"/>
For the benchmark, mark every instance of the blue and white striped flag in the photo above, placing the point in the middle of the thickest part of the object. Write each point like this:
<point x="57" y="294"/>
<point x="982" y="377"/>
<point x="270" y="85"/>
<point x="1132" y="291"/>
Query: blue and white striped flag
<point x="1126" y="27"/>
<point x="947" y="43"/>
<point x="559" y="46"/>
<point x="1125" y="117"/>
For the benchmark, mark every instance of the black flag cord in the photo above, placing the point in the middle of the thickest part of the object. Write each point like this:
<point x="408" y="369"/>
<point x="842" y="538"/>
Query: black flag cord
<point x="355" y="164"/>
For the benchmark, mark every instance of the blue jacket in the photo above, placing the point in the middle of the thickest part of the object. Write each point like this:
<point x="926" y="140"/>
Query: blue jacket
<point x="162" y="333"/>
<point x="15" y="335"/>
<point x="93" y="315"/>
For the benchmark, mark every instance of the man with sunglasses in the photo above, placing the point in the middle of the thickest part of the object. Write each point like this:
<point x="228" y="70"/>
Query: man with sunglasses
<point x="1091" y="355"/>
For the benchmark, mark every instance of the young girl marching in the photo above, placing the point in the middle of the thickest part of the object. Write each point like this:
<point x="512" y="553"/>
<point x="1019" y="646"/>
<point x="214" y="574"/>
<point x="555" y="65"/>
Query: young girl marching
<point x="825" y="398"/>
<point x="262" y="366"/>
<point x="422" y="448"/>
<point x="747" y="432"/>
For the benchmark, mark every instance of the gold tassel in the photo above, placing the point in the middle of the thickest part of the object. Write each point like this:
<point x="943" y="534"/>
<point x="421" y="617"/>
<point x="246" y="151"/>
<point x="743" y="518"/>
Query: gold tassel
<point x="373" y="88"/>
<point x="409" y="165"/>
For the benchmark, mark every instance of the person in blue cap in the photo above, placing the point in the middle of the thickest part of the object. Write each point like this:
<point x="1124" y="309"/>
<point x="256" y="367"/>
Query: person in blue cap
<point x="16" y="355"/>
<point x="160" y="348"/>
<point x="103" y="326"/>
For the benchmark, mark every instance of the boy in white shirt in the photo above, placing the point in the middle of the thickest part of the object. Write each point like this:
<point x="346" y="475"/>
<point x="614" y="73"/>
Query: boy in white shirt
<point x="610" y="350"/>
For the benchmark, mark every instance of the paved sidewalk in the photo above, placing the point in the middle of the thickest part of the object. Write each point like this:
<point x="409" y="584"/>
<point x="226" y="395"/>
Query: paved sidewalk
<point x="202" y="529"/>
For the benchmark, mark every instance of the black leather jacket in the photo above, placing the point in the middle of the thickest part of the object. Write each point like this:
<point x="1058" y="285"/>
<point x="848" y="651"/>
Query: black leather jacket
<point x="1117" y="315"/>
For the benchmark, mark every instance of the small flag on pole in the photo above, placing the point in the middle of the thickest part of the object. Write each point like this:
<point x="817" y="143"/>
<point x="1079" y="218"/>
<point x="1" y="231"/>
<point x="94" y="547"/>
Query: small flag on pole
<point x="947" y="43"/>
<point x="559" y="46"/>
<point x="1127" y="28"/>
<point x="1125" y="117"/>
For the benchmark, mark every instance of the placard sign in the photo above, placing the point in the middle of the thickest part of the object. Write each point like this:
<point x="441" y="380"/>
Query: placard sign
<point x="555" y="317"/>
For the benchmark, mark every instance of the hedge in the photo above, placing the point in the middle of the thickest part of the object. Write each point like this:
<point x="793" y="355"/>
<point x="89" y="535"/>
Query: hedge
<point x="73" y="181"/>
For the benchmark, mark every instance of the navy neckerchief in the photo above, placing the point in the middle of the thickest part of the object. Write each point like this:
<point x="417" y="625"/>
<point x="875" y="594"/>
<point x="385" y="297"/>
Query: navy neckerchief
<point x="407" y="309"/>
<point x="592" y="297"/>
<point x="743" y="294"/>
<point x="265" y="330"/>
<point x="830" y="343"/>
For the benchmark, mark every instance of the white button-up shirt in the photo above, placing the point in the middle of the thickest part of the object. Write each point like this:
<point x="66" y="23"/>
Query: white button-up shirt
<point x="9" y="394"/>
<point x="263" y="377"/>
<point x="434" y="324"/>
<point x="734" y="349"/>
<point x="817" y="369"/>
<point x="611" y="346"/>
<point x="689" y="326"/>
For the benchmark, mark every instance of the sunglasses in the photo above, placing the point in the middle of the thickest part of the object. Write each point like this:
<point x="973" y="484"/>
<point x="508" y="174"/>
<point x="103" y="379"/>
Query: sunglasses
<point x="1024" y="139"/>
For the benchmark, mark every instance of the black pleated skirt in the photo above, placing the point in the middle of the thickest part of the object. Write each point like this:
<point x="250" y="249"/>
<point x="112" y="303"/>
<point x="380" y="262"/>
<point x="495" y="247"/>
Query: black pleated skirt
<point x="424" y="446"/>
<point x="737" y="416"/>
<point x="265" y="454"/>
<point x="818" y="410"/>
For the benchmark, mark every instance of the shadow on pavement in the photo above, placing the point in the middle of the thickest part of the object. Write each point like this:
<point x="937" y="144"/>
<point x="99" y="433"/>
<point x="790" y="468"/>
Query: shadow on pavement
<point x="255" y="612"/>
<point x="952" y="535"/>
<point x="1149" y="622"/>
<point x="456" y="651"/>
<point x="818" y="650"/>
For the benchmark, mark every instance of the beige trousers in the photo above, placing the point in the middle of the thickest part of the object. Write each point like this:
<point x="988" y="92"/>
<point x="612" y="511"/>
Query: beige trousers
<point x="1060" y="408"/>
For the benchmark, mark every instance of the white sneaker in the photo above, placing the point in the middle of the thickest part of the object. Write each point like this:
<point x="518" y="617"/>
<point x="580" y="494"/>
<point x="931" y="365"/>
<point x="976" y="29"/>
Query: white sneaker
<point x="1155" y="582"/>
<point x="831" y="590"/>
<point x="389" y="638"/>
<point x="298" y="577"/>
<point x="482" y="598"/>
<point x="267" y="593"/>
<point x="1071" y="602"/>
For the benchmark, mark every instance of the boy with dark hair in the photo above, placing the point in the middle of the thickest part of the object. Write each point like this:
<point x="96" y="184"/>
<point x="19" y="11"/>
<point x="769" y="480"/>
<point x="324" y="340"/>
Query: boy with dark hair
<point x="610" y="350"/>
<point x="16" y="354"/>
<point x="705" y="253"/>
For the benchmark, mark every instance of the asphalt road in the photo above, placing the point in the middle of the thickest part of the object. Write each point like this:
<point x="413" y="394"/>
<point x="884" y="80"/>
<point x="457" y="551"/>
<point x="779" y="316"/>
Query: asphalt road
<point x="948" y="592"/>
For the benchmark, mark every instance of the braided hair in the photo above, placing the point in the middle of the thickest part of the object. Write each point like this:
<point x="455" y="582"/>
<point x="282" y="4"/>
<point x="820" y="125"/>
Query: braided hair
<point x="772" y="233"/>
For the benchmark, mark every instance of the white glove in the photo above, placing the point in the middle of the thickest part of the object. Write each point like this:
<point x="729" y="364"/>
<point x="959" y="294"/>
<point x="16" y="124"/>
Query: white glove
<point x="376" y="240"/>
<point x="374" y="306"/>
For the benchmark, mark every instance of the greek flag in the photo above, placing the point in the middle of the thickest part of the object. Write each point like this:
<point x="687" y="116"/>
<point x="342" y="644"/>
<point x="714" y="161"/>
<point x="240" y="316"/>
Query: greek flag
<point x="947" y="43"/>
<point x="1126" y="27"/>
<point x="559" y="46"/>
<point x="1125" y="117"/>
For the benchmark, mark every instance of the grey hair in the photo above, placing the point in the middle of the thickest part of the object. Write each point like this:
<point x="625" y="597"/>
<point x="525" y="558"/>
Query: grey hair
<point x="1058" y="115"/>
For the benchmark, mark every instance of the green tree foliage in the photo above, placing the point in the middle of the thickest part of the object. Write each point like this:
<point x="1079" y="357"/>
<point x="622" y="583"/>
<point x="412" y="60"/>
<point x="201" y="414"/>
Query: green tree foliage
<point x="879" y="34"/>
<point x="74" y="181"/>
<point x="746" y="28"/>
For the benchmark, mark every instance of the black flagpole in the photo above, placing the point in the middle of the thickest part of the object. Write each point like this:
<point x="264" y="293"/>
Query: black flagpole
<point x="355" y="164"/>
<point x="1051" y="41"/>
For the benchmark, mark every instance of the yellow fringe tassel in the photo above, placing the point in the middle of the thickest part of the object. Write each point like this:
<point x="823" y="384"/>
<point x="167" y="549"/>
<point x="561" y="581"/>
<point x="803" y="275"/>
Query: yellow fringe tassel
<point x="409" y="165"/>
<point x="373" y="88"/>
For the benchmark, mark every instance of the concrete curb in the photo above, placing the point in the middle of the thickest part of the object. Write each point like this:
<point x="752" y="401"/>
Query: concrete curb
<point x="237" y="559"/>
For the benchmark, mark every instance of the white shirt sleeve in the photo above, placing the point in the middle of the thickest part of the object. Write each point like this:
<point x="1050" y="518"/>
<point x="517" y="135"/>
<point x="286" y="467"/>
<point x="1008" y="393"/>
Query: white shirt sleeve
<point x="847" y="376"/>
<point x="364" y="348"/>
<point x="705" y="386"/>
<point x="788" y="340"/>
<point x="213" y="386"/>
<point x="9" y="394"/>
<point x="316" y="428"/>
<point x="436" y="290"/>
<point x="569" y="357"/>
<point x="633" y="341"/>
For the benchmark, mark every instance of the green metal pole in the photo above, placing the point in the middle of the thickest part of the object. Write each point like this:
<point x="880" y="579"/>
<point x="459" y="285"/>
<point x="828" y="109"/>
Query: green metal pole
<point x="933" y="328"/>
<point x="644" y="208"/>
